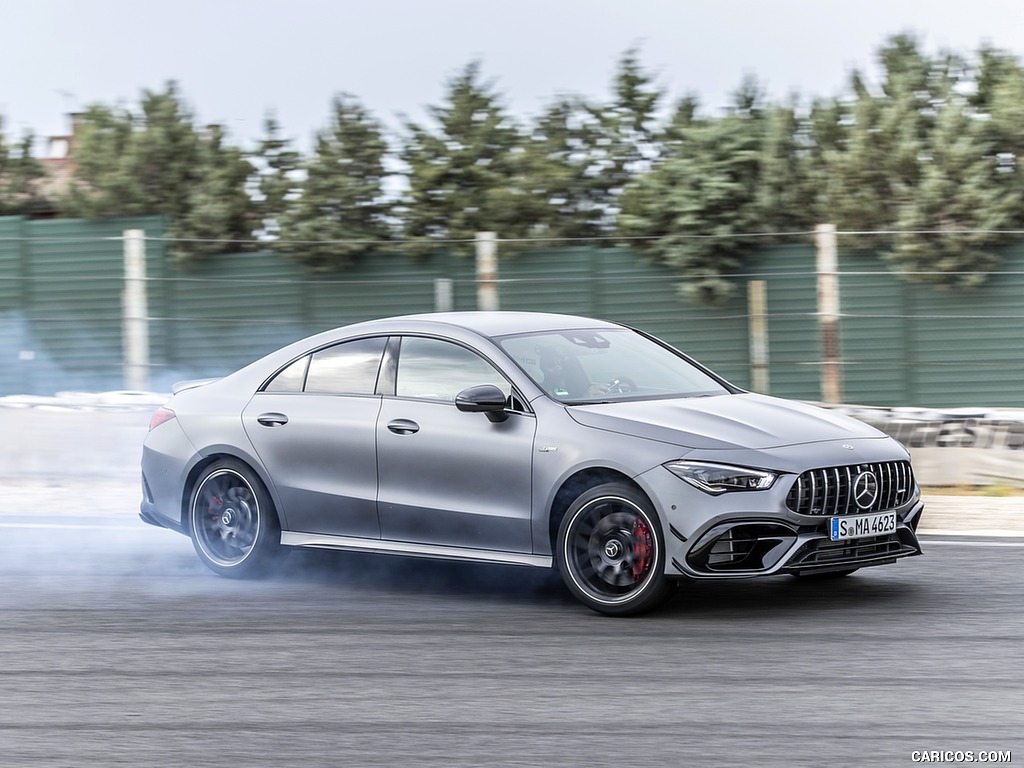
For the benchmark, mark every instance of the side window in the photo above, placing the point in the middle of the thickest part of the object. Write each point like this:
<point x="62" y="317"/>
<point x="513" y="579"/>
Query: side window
<point x="438" y="370"/>
<point x="289" y="379"/>
<point x="348" y="368"/>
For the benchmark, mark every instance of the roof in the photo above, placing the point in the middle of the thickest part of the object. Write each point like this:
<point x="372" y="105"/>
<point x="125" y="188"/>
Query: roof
<point x="501" y="322"/>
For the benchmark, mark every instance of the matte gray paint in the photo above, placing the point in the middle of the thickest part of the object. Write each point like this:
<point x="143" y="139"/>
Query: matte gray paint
<point x="461" y="482"/>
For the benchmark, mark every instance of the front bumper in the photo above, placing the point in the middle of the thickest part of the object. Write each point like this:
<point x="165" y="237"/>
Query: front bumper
<point x="744" y="548"/>
<point x="750" y="534"/>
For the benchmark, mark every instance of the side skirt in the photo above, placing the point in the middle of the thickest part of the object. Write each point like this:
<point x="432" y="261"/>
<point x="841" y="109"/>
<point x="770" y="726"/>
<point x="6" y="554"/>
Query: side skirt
<point x="412" y="549"/>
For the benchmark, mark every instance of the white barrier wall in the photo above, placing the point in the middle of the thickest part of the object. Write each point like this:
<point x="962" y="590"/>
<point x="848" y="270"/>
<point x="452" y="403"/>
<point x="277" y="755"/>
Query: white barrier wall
<point x="55" y="443"/>
<point x="956" y="447"/>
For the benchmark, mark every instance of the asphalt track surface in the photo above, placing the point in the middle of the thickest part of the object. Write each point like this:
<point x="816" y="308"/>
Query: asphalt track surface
<point x="119" y="648"/>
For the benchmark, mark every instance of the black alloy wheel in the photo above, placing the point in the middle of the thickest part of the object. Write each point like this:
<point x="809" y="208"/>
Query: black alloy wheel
<point x="234" y="527"/>
<point x="611" y="551"/>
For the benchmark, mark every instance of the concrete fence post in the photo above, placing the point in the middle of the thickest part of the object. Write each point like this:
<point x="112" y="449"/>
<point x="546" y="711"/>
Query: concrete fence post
<point x="487" y="271"/>
<point x="829" y="313"/>
<point x="135" y="312"/>
<point x="443" y="294"/>
<point x="757" y="304"/>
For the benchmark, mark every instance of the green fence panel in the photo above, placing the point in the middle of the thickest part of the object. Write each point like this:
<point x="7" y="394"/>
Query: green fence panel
<point x="916" y="344"/>
<point x="67" y="322"/>
<point x="966" y="343"/>
<point x="793" y="338"/>
<point x="14" y="368"/>
<point x="229" y="311"/>
<point x="902" y="343"/>
<point x="379" y="286"/>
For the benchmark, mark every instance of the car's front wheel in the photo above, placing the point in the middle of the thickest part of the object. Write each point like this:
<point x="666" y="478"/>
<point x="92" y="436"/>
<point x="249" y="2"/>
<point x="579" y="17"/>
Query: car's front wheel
<point x="234" y="527"/>
<point x="611" y="551"/>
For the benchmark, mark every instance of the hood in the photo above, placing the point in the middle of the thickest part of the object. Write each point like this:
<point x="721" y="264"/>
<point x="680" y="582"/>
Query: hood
<point x="723" y="422"/>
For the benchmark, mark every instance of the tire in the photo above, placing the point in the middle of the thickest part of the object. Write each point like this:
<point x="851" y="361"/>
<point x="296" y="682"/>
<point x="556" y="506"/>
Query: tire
<point x="610" y="551"/>
<point x="234" y="528"/>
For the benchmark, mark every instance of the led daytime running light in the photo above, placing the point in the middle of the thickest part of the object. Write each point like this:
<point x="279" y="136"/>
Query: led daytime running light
<point x="716" y="479"/>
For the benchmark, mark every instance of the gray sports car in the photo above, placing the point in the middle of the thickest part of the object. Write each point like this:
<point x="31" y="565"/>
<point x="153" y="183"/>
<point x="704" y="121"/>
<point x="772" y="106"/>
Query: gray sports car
<point x="531" y="439"/>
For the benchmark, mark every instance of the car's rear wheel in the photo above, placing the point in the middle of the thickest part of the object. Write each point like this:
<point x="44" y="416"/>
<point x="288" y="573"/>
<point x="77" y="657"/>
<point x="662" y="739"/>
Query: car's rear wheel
<point x="234" y="527"/>
<point x="611" y="552"/>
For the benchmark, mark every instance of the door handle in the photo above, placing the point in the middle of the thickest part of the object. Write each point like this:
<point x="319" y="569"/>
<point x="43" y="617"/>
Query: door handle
<point x="272" y="419"/>
<point x="403" y="427"/>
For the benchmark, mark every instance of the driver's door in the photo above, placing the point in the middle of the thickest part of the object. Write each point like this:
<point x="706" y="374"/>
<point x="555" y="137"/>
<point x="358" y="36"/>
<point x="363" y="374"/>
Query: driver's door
<point x="447" y="477"/>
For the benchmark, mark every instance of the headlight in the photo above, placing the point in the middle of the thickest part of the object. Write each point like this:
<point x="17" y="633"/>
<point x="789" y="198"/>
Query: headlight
<point x="720" y="478"/>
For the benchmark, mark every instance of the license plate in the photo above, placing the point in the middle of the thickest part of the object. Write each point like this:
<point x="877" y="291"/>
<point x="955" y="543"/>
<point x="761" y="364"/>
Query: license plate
<point x="859" y="526"/>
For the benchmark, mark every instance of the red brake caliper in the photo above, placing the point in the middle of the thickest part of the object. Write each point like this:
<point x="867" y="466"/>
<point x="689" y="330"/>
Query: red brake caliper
<point x="643" y="549"/>
<point x="214" y="509"/>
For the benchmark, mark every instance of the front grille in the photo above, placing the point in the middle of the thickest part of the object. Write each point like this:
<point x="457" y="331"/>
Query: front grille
<point x="853" y="489"/>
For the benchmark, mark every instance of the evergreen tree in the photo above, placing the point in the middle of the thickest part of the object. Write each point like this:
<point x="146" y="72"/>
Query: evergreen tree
<point x="564" y="175"/>
<point x="868" y="148"/>
<point x="1000" y="104"/>
<point x="786" y="193"/>
<point x="277" y="183"/>
<point x="105" y="184"/>
<point x="582" y="155"/>
<point x="947" y="226"/>
<point x="341" y="211"/>
<point x="130" y="165"/>
<point x="470" y="173"/>
<point x="629" y="126"/>
<point x="701" y="200"/>
<point x="20" y="176"/>
<point x="218" y="214"/>
<point x="157" y="163"/>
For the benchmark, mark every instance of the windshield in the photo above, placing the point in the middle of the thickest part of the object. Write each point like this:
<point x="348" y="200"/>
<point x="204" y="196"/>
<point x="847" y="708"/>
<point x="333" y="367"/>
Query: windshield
<point x="599" y="366"/>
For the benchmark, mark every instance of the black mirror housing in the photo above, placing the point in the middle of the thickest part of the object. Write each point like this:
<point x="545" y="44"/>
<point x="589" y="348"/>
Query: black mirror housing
<point x="484" y="398"/>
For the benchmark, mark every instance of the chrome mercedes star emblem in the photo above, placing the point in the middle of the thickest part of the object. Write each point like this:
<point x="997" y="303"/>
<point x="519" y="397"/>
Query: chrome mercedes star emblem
<point x="865" y="490"/>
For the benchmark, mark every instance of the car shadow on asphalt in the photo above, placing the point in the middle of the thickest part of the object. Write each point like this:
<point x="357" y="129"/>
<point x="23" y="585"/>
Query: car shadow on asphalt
<point x="521" y="585"/>
<point x="422" y="576"/>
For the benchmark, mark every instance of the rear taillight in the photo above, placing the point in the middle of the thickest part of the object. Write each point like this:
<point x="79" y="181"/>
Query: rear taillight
<point x="160" y="416"/>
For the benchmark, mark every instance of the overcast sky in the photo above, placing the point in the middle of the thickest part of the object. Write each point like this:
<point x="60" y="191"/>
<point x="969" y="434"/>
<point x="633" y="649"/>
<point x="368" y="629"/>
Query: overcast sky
<point x="235" y="60"/>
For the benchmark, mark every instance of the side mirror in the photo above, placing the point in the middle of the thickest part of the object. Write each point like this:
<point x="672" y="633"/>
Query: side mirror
<point x="485" y="398"/>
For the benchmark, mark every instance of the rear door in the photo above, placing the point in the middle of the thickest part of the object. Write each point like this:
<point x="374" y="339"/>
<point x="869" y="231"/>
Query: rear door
<point x="313" y="427"/>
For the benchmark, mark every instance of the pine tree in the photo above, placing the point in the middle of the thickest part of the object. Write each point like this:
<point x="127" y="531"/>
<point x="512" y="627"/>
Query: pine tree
<point x="158" y="163"/>
<point x="701" y="200"/>
<point x="920" y="161"/>
<point x="582" y="154"/>
<point x="219" y="213"/>
<point x="564" y="175"/>
<point x="277" y="183"/>
<point x="20" y="176"/>
<point x="470" y="173"/>
<point x="629" y="125"/>
<point x="786" y="194"/>
<point x="948" y="226"/>
<point x="999" y="103"/>
<point x="105" y="183"/>
<point x="341" y="211"/>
